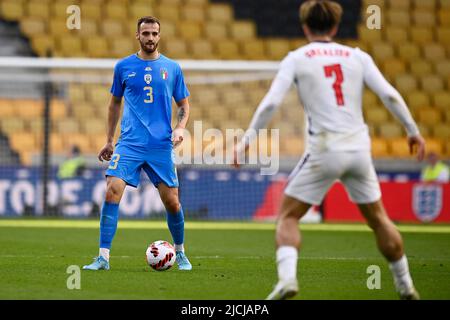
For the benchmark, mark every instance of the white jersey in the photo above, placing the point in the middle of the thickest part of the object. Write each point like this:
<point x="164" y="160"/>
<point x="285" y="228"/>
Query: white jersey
<point x="330" y="80"/>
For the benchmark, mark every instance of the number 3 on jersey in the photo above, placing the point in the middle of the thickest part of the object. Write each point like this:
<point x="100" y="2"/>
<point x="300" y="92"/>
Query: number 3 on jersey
<point x="337" y="85"/>
<point x="149" y="94"/>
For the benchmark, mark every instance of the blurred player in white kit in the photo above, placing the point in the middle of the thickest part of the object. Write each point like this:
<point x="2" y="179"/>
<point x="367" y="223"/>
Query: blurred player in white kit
<point x="330" y="79"/>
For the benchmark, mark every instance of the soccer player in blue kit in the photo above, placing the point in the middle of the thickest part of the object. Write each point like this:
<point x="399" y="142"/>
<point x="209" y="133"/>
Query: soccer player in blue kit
<point x="147" y="80"/>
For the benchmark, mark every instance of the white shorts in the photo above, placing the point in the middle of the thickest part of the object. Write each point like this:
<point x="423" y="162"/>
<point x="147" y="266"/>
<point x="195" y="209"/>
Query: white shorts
<point x="315" y="174"/>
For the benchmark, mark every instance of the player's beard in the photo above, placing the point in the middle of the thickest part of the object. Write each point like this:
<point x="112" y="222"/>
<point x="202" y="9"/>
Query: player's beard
<point x="147" y="48"/>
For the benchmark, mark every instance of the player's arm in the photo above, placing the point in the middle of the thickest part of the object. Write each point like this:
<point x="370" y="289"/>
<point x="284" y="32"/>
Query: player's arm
<point x="113" y="117"/>
<point x="270" y="103"/>
<point x="183" y="117"/>
<point x="394" y="102"/>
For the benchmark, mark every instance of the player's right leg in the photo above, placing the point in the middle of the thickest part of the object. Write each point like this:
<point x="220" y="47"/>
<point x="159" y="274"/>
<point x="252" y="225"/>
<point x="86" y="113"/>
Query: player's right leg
<point x="390" y="244"/>
<point x="108" y="222"/>
<point x="288" y="241"/>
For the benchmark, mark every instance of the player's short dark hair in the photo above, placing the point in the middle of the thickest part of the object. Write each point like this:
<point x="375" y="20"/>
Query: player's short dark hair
<point x="148" y="19"/>
<point x="320" y="16"/>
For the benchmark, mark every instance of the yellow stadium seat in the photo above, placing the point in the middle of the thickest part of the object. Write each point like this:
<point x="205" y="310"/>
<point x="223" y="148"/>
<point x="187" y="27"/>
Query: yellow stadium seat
<point x="432" y="83"/>
<point x="400" y="4"/>
<point x="116" y="10"/>
<point x="443" y="35"/>
<point x="227" y="49"/>
<point x="33" y="26"/>
<point x="97" y="141"/>
<point x="121" y="47"/>
<point x="99" y="95"/>
<point x="447" y="150"/>
<point x="409" y="52"/>
<point x="417" y="100"/>
<point x="377" y="115"/>
<point x="57" y="109"/>
<point x="67" y="125"/>
<point x="220" y="12"/>
<point x="405" y="83"/>
<point x="292" y="146"/>
<point x="216" y="31"/>
<point x="393" y="67"/>
<point x="42" y="44"/>
<point x="91" y="10"/>
<point x="441" y="100"/>
<point x="176" y="48"/>
<point x="36" y="126"/>
<point x="382" y="51"/>
<point x="442" y="131"/>
<point x="380" y="3"/>
<point x="165" y="14"/>
<point x="88" y="28"/>
<point x="169" y="30"/>
<point x="81" y="140"/>
<point x="425" y="4"/>
<point x="434" y="145"/>
<point x="424" y="18"/>
<point x="422" y="35"/>
<point x="434" y="51"/>
<point x="399" y="148"/>
<point x="445" y="4"/>
<point x="444" y="17"/>
<point x="189" y="30"/>
<point x="442" y="67"/>
<point x="22" y="141"/>
<point x="253" y="49"/>
<point x="367" y="35"/>
<point x="447" y="115"/>
<point x="28" y="108"/>
<point x="140" y="9"/>
<point x="58" y="27"/>
<point x="12" y="10"/>
<point x="201" y="49"/>
<point x="297" y="43"/>
<point x="243" y="30"/>
<point x="76" y="93"/>
<point x="70" y="46"/>
<point x="277" y="49"/>
<point x="369" y="98"/>
<point x="83" y="111"/>
<point x="39" y="9"/>
<point x="395" y="35"/>
<point x="97" y="47"/>
<point x="6" y="108"/>
<point x="400" y="18"/>
<point x="10" y="125"/>
<point x="429" y="116"/>
<point x="112" y="28"/>
<point x="390" y="130"/>
<point x="56" y="143"/>
<point x="94" y="126"/>
<point x="195" y="13"/>
<point x="380" y="148"/>
<point x="419" y="68"/>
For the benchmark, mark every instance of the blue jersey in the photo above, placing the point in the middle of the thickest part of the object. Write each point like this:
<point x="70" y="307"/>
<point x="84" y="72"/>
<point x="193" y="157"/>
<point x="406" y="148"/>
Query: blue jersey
<point x="148" y="87"/>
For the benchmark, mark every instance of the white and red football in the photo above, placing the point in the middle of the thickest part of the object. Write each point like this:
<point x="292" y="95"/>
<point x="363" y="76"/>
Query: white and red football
<point x="160" y="255"/>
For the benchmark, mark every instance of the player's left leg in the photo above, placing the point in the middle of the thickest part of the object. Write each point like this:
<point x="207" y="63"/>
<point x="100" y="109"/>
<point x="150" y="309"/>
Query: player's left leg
<point x="288" y="241"/>
<point x="175" y="222"/>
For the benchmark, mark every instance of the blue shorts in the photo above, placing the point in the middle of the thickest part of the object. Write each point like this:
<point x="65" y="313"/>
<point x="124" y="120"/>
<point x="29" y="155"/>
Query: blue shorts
<point x="159" y="164"/>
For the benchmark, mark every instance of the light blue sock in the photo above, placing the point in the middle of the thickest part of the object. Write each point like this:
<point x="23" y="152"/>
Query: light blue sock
<point x="176" y="226"/>
<point x="108" y="224"/>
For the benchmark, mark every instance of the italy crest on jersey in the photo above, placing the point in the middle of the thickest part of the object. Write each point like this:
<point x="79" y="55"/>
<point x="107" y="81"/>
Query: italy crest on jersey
<point x="164" y="73"/>
<point x="427" y="201"/>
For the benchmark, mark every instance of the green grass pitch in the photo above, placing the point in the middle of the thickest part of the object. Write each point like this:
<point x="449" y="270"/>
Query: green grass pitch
<point x="230" y="261"/>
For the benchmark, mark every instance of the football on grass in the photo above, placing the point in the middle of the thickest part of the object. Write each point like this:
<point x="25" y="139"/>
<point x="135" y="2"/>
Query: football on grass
<point x="160" y="255"/>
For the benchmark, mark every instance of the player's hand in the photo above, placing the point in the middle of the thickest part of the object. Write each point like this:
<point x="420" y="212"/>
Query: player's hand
<point x="417" y="145"/>
<point x="177" y="137"/>
<point x="106" y="152"/>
